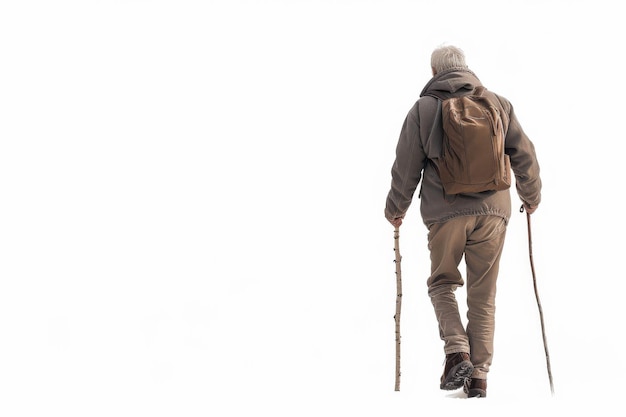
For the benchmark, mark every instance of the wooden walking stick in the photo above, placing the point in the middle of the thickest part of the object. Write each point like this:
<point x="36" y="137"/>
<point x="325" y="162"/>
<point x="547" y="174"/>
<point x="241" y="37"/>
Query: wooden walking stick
<point x="396" y="237"/>
<point x="543" y="328"/>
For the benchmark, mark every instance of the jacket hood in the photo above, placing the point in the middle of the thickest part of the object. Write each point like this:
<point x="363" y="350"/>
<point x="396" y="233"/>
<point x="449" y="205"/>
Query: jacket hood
<point x="450" y="83"/>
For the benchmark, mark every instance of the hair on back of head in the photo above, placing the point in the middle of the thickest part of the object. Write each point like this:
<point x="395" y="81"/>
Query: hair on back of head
<point x="446" y="57"/>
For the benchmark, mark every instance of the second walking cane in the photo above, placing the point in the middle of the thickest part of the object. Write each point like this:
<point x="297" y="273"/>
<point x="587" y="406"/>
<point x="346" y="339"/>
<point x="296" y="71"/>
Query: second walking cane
<point x="396" y="248"/>
<point x="543" y="327"/>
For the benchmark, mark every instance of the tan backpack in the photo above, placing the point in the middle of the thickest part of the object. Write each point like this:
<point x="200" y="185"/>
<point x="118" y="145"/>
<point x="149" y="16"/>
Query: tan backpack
<point x="472" y="158"/>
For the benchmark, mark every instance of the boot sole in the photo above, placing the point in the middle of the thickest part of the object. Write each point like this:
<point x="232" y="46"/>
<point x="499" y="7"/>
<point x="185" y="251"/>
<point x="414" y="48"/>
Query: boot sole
<point x="476" y="393"/>
<point x="457" y="376"/>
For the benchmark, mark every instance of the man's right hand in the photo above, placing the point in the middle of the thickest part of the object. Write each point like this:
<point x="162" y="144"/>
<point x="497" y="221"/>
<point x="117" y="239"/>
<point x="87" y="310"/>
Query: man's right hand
<point x="529" y="209"/>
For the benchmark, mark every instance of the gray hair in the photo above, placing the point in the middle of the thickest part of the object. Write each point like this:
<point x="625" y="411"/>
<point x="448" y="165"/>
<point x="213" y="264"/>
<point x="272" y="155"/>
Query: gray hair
<point x="446" y="57"/>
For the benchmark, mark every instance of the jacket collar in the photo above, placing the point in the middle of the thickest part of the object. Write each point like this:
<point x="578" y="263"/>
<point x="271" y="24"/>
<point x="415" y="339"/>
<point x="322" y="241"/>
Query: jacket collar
<point x="451" y="82"/>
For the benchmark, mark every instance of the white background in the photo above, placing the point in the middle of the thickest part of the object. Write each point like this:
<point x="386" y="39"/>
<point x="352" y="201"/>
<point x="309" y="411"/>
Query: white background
<point x="192" y="194"/>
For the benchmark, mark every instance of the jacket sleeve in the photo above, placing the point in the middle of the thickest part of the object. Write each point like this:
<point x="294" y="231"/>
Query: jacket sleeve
<point x="407" y="168"/>
<point x="523" y="162"/>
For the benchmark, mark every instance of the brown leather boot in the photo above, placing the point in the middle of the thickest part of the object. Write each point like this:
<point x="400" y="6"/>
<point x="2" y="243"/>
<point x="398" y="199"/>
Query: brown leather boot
<point x="475" y="388"/>
<point x="458" y="368"/>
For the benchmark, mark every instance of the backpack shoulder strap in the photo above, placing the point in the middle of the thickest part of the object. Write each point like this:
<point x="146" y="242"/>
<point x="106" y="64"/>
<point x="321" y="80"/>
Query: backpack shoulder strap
<point x="435" y="95"/>
<point x="479" y="90"/>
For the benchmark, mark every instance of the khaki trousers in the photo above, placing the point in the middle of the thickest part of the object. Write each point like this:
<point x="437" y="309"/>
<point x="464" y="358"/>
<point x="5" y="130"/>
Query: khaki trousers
<point x="480" y="239"/>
